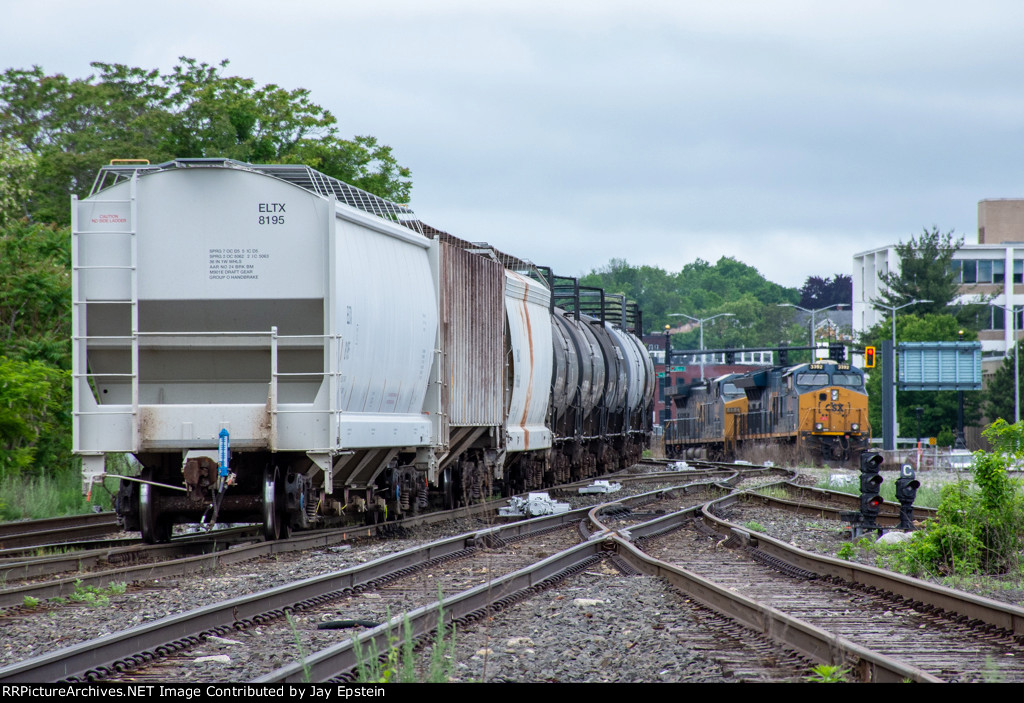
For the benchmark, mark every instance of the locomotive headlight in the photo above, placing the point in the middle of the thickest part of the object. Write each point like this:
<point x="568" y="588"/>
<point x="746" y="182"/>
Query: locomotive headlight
<point x="855" y="427"/>
<point x="835" y="394"/>
<point x="818" y="427"/>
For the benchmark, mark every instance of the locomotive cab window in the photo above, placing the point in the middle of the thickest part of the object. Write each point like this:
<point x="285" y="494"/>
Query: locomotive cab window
<point x="812" y="380"/>
<point x="848" y="379"/>
<point x="730" y="391"/>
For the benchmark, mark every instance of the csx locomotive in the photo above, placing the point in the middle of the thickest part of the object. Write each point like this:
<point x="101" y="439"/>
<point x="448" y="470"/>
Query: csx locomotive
<point x="276" y="346"/>
<point x="821" y="408"/>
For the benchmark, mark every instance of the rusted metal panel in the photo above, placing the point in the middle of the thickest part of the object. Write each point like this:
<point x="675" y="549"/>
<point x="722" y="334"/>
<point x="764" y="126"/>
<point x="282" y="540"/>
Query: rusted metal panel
<point x="473" y="337"/>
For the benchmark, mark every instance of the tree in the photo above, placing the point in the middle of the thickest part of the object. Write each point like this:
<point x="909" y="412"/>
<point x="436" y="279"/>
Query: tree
<point x="925" y="273"/>
<point x="999" y="394"/>
<point x="818" y="292"/>
<point x="939" y="408"/>
<point x="35" y="418"/>
<point x="74" y="126"/>
<point x="16" y="166"/>
<point x="35" y="293"/>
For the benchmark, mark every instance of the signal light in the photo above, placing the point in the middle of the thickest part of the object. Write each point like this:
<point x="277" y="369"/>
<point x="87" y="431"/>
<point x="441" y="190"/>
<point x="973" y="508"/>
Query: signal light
<point x="837" y="352"/>
<point x="869" y="357"/>
<point x="906" y="491"/>
<point x="870" y="485"/>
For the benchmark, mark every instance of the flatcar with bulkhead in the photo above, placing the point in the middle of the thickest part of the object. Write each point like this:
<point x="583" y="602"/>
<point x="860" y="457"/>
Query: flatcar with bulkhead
<point x="276" y="346"/>
<point x="821" y="408"/>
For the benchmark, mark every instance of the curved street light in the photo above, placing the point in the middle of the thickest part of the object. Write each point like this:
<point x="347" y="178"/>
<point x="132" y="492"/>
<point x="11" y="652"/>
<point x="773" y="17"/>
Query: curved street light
<point x="813" y="312"/>
<point x="701" y="323"/>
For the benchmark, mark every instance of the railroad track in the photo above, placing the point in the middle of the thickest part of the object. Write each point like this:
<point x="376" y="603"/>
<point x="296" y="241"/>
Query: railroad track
<point x="746" y="661"/>
<point x="201" y="552"/>
<point x="53" y="531"/>
<point x="220" y="618"/>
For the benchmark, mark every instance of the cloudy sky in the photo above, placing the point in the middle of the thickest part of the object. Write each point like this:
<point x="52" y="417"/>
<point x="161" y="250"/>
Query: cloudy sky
<point x="786" y="134"/>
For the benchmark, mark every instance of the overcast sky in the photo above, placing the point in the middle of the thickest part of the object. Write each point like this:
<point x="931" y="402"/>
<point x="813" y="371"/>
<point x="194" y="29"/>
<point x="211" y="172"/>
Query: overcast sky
<point x="788" y="135"/>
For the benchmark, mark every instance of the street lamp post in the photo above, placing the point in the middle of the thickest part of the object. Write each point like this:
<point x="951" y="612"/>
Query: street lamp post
<point x="701" y="323"/>
<point x="813" y="313"/>
<point x="892" y="361"/>
<point x="1016" y="362"/>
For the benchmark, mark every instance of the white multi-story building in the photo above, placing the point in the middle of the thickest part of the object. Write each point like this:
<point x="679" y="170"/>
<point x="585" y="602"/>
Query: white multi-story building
<point x="990" y="271"/>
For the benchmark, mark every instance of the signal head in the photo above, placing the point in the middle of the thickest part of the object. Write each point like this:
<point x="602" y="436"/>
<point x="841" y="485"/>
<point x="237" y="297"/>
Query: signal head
<point x="869" y="463"/>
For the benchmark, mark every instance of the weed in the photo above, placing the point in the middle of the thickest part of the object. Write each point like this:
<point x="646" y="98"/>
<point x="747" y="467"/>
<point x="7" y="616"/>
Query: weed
<point x="827" y="673"/>
<point x="93" y="596"/>
<point x="754" y="526"/>
<point x="303" y="653"/>
<point x="398" y="663"/>
<point x="846" y="552"/>
<point x="991" y="672"/>
<point x="31" y="602"/>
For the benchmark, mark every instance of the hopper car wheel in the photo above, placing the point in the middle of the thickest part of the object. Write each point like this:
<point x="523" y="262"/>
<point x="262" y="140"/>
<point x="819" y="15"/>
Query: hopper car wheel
<point x="447" y="486"/>
<point x="271" y="512"/>
<point x="154" y="528"/>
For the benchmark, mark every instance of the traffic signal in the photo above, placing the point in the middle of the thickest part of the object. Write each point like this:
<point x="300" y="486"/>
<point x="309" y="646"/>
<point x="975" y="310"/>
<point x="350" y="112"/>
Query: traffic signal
<point x="870" y="485"/>
<point x="783" y="356"/>
<point x="837" y="352"/>
<point x="869" y="357"/>
<point x="906" y="491"/>
<point x="730" y="356"/>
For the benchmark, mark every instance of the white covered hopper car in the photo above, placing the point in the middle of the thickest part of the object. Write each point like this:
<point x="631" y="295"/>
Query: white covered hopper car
<point x="276" y="346"/>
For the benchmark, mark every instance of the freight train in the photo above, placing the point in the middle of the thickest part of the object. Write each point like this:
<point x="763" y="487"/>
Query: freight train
<point x="275" y="346"/>
<point x="820" y="408"/>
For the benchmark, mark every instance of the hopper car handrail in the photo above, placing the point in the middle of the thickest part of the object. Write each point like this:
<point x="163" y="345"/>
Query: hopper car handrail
<point x="273" y="338"/>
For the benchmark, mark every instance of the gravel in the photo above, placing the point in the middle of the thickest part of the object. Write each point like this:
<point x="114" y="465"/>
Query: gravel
<point x="597" y="627"/>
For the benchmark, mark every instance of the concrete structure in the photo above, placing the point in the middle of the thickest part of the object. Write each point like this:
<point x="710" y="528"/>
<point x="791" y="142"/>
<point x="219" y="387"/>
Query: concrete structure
<point x="990" y="271"/>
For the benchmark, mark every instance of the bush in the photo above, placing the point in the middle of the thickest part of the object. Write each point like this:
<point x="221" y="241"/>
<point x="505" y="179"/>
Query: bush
<point x="978" y="529"/>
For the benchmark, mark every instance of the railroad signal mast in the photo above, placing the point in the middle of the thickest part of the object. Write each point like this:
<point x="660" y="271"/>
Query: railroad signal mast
<point x="864" y="521"/>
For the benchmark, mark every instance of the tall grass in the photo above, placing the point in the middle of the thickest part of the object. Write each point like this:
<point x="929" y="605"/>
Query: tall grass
<point x="34" y="496"/>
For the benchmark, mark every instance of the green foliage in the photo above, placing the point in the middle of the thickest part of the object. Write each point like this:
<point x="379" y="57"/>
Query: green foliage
<point x="979" y="528"/>
<point x="16" y="167"/>
<point x="398" y="664"/>
<point x="925" y="273"/>
<point x="307" y="672"/>
<point x="49" y="494"/>
<point x="35" y="417"/>
<point x="93" y="596"/>
<point x="827" y="673"/>
<point x="940" y="407"/>
<point x="73" y="126"/>
<point x="702" y="290"/>
<point x="945" y="437"/>
<point x="818" y="292"/>
<point x="754" y="526"/>
<point x="999" y="395"/>
<point x="35" y="293"/>
<point x="846" y="552"/>
<point x="30" y="602"/>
